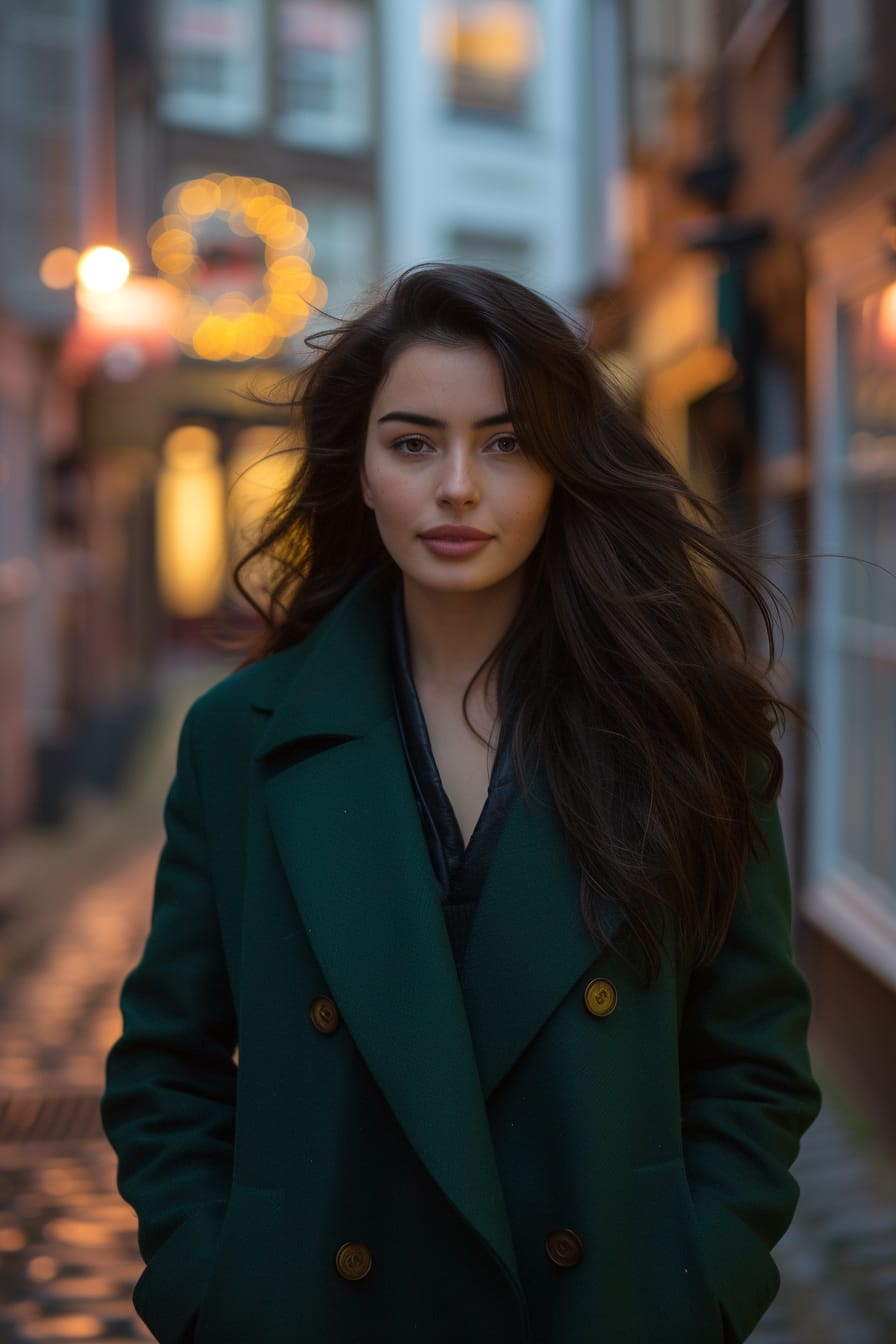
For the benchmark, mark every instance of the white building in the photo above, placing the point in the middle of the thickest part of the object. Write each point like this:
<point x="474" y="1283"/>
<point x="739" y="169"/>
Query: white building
<point x="501" y="136"/>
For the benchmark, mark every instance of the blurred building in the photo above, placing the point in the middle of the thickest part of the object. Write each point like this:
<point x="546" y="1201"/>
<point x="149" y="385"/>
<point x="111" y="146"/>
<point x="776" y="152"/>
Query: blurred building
<point x="50" y="120"/>
<point x="254" y="160"/>
<point x="757" y="320"/>
<point x="498" y="120"/>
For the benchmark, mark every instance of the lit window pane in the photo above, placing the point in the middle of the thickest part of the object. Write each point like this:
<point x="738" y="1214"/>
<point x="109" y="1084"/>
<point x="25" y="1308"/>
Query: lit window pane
<point x="490" y="49"/>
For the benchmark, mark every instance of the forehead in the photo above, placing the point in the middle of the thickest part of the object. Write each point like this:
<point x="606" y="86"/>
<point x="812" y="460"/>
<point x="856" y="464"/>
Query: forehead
<point x="455" y="377"/>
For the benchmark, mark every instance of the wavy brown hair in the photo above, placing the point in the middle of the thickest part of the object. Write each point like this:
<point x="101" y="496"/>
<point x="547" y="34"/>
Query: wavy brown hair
<point x="626" y="677"/>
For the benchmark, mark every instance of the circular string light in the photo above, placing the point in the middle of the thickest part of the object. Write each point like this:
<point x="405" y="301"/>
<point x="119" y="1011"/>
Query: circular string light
<point x="235" y="325"/>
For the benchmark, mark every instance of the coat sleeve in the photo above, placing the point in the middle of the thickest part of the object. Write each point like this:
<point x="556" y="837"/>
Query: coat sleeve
<point x="747" y="1089"/>
<point x="169" y="1103"/>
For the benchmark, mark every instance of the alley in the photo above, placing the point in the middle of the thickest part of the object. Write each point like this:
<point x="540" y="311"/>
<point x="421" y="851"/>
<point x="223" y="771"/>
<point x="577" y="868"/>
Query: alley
<point x="69" y="1256"/>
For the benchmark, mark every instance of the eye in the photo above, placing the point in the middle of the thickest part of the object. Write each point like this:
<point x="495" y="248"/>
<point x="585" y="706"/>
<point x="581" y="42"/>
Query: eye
<point x="505" y="444"/>
<point x="411" y="446"/>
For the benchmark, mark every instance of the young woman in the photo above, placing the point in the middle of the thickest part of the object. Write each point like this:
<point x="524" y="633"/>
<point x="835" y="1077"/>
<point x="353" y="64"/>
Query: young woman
<point x="478" y="864"/>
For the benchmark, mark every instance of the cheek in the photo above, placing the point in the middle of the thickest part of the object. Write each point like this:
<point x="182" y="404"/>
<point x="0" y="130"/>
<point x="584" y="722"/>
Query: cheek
<point x="533" y="505"/>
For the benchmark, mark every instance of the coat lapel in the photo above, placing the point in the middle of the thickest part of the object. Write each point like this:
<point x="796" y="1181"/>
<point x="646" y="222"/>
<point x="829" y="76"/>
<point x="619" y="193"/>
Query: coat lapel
<point x="528" y="945"/>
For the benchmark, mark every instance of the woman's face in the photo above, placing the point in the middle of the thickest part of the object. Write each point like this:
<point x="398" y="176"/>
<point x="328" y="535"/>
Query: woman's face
<point x="458" y="505"/>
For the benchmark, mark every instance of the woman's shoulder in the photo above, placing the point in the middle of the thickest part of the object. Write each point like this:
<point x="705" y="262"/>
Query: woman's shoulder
<point x="348" y="632"/>
<point x="238" y="694"/>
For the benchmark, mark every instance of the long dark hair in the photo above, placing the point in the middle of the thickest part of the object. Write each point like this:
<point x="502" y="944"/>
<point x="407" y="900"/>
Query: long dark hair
<point x="625" y="676"/>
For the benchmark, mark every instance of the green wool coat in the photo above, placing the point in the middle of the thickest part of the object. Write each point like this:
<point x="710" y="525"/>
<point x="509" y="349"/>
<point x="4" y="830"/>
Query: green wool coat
<point x="403" y="1154"/>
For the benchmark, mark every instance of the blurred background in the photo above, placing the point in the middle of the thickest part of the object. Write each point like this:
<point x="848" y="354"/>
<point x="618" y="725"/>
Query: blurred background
<point x="709" y="184"/>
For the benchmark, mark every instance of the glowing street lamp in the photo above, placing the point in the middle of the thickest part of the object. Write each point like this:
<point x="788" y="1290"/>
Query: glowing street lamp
<point x="103" y="269"/>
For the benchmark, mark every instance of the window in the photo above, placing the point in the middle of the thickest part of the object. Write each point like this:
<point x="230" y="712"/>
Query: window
<point x="669" y="38"/>
<point x="41" y="84"/>
<point x="867" y="644"/>
<point x="324" y="73"/>
<point x="838" y="44"/>
<point x="490" y="49"/>
<point x="211" y="63"/>
<point x="854" y="847"/>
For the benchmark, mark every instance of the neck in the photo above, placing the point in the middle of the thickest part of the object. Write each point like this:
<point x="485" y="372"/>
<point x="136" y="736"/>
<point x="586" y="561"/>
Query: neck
<point x="451" y="634"/>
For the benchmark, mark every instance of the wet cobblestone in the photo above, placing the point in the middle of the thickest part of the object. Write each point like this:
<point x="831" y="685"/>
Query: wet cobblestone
<point x="68" y="1255"/>
<point x="68" y="1252"/>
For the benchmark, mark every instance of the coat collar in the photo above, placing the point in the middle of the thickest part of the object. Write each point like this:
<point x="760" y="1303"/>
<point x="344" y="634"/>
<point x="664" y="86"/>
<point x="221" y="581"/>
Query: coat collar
<point x="338" y="681"/>
<point x="345" y="823"/>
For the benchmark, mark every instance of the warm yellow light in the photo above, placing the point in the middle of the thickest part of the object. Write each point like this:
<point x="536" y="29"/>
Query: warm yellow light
<point x="190" y="448"/>
<point x="284" y="302"/>
<point x="237" y="326"/>
<point x="501" y="37"/>
<point x="887" y="316"/>
<point x="163" y="224"/>
<point x="59" y="268"/>
<point x="103" y="269"/>
<point x="175" y="263"/>
<point x="214" y="338"/>
<point x="199" y="198"/>
<point x="190" y="522"/>
<point x="231" y="304"/>
<point x="173" y="240"/>
<point x="259" y="469"/>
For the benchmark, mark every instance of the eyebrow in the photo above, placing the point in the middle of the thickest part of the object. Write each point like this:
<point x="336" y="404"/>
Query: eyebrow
<point x="411" y="418"/>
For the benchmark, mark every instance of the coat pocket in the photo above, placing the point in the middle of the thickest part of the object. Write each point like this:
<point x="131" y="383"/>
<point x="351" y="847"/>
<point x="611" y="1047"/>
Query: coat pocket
<point x="676" y="1302"/>
<point x="253" y="1272"/>
<point x="169" y="1290"/>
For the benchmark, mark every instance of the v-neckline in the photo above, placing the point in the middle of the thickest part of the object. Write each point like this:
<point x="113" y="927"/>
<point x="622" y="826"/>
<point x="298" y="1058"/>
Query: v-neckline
<point x="452" y="855"/>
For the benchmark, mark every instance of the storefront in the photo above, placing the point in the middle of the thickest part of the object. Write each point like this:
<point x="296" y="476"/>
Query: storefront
<point x="851" y="891"/>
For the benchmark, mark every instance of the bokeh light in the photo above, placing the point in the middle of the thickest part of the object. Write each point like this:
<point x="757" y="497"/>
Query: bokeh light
<point x="59" y="268"/>
<point x="103" y="269"/>
<point x="237" y="326"/>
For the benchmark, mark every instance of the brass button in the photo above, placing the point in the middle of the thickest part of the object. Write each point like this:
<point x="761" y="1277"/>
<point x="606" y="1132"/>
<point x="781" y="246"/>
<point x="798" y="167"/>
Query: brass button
<point x="324" y="1014"/>
<point x="563" y="1247"/>
<point x="600" y="997"/>
<point x="353" y="1260"/>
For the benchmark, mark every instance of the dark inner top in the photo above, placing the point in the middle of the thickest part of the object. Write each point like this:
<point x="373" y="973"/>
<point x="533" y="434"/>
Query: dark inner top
<point x="460" y="871"/>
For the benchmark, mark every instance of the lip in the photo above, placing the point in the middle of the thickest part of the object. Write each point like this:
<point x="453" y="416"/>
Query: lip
<point x="454" y="532"/>
<point x="454" y="542"/>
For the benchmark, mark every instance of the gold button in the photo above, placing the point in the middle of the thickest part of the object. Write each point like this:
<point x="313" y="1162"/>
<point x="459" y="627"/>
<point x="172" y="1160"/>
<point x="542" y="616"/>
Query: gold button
<point x="324" y="1014"/>
<point x="600" y="997"/>
<point x="563" y="1247"/>
<point x="353" y="1260"/>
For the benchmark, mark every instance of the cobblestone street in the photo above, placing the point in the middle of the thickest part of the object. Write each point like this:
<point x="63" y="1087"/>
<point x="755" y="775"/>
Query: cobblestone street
<point x="69" y="1257"/>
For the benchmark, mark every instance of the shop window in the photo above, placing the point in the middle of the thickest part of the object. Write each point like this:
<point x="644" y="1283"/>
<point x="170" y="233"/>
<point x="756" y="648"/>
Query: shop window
<point x="324" y="74"/>
<point x="190" y="522"/>
<point x="861" y="503"/>
<point x="211" y="63"/>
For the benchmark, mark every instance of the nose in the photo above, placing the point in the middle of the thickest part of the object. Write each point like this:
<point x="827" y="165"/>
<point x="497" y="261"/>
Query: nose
<point x="458" y="485"/>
